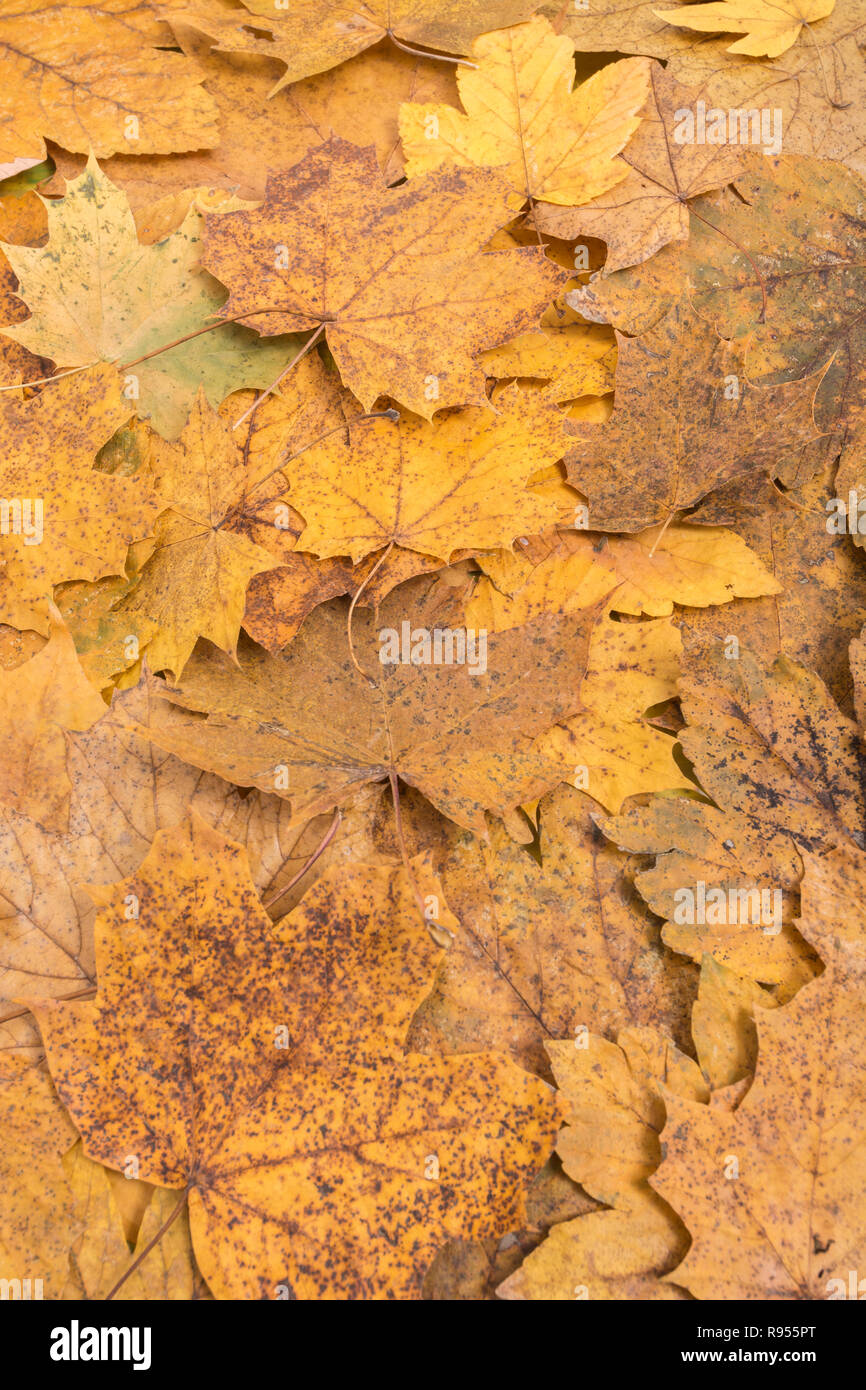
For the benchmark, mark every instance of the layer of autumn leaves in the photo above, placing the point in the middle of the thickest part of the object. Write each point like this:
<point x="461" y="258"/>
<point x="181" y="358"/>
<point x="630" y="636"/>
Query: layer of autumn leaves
<point x="327" y="978"/>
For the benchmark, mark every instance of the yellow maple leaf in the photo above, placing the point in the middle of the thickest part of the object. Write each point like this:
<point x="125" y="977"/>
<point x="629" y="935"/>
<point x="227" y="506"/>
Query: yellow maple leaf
<point x="195" y="582"/>
<point x="91" y="77"/>
<point x="522" y="116"/>
<point x="769" y="27"/>
<point x="437" y="487"/>
<point x="271" y="1085"/>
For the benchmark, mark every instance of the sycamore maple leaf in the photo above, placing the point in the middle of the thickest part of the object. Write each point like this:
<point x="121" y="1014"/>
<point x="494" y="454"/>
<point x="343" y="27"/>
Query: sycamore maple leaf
<point x="397" y="278"/>
<point x="88" y="74"/>
<point x="615" y="1093"/>
<point x="788" y="1223"/>
<point x="97" y="294"/>
<point x="311" y="36"/>
<point x="784" y="769"/>
<point x="769" y="27"/>
<point x="522" y="116"/>
<point x="787" y="278"/>
<point x="278" y="1095"/>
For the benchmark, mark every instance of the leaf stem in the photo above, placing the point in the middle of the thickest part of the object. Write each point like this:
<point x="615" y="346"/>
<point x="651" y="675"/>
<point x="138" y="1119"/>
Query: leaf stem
<point x="317" y="854"/>
<point x="169" y="1221"/>
<point x="311" y="342"/>
<point x="358" y="592"/>
<point x="401" y="841"/>
<point x="423" y="53"/>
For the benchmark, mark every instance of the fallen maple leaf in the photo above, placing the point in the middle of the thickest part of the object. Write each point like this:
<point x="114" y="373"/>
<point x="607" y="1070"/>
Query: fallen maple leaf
<point x="79" y="522"/>
<point x="819" y="602"/>
<point x="90" y="75"/>
<point x="247" y="1129"/>
<point x="649" y="206"/>
<point x="783" y="766"/>
<point x="616" y="1094"/>
<point x="771" y="1191"/>
<point x="685" y="421"/>
<point x="96" y="294"/>
<point x="409" y="295"/>
<point x="786" y="278"/>
<point x="121" y="791"/>
<point x="693" y="566"/>
<point x="452" y="484"/>
<point x="195" y="583"/>
<point x="310" y="726"/>
<point x="519" y="973"/>
<point x="260" y="131"/>
<point x="312" y="37"/>
<point x="522" y="116"/>
<point x="769" y="27"/>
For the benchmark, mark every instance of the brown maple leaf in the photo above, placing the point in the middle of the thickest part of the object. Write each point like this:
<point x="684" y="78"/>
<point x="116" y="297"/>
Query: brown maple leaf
<point x="311" y="726"/>
<point x="312" y="36"/>
<point x="398" y="280"/>
<point x="685" y="421"/>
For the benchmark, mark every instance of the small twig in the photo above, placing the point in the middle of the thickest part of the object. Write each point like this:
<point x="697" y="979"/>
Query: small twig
<point x="667" y="523"/>
<point x="317" y="854"/>
<point x="42" y="380"/>
<point x="798" y="506"/>
<point x="837" y="105"/>
<point x="155" y="352"/>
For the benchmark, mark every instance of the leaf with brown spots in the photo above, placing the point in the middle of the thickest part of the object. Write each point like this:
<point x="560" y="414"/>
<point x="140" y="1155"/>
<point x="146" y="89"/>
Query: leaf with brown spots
<point x="398" y="279"/>
<point x="91" y="75"/>
<point x="649" y="207"/>
<point x="260" y="131"/>
<point x="685" y="421"/>
<point x="546" y="949"/>
<point x="455" y="483"/>
<point x="281" y="1103"/>
<point x="784" y="770"/>
<point x="120" y="790"/>
<point x="88" y="518"/>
